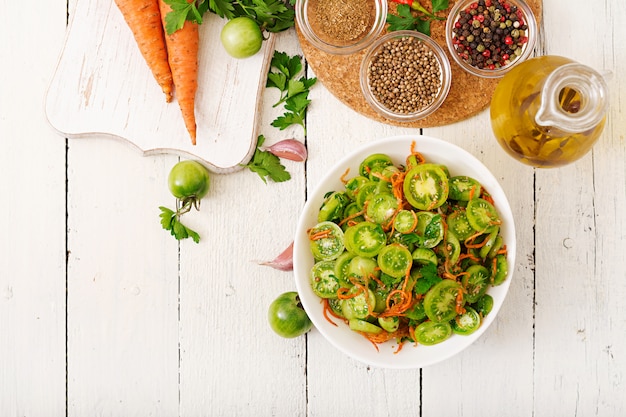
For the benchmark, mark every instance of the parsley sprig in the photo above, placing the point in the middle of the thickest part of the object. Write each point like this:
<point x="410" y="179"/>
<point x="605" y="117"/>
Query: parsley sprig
<point x="294" y="91"/>
<point x="266" y="164"/>
<point x="170" y="220"/>
<point x="413" y="16"/>
<point x="270" y="15"/>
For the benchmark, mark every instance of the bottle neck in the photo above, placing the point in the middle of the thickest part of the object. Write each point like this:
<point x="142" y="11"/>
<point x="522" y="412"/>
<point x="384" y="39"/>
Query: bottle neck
<point x="574" y="98"/>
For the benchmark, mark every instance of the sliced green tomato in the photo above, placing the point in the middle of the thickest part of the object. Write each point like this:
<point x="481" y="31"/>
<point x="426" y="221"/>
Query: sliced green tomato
<point x="481" y="214"/>
<point x="389" y="171"/>
<point x="464" y="188"/>
<point x="489" y="242"/>
<point x="383" y="187"/>
<point x="502" y="269"/>
<point x="459" y="225"/>
<point x="381" y="299"/>
<point x="496" y="247"/>
<point x="374" y="164"/>
<point x="365" y="239"/>
<point x="390" y="324"/>
<point x="430" y="228"/>
<point x="323" y="280"/>
<point x="335" y="306"/>
<point x="430" y="333"/>
<point x="484" y="305"/>
<point x="329" y="246"/>
<point x="424" y="256"/>
<point x="361" y="268"/>
<point x="405" y="221"/>
<point x="354" y="185"/>
<point x="359" y="306"/>
<point x="426" y="186"/>
<point x="475" y="282"/>
<point x="341" y="265"/>
<point x="395" y="260"/>
<point x="466" y="323"/>
<point x="440" y="301"/>
<point x="363" y="326"/>
<point x="452" y="249"/>
<point x="367" y="191"/>
<point x="381" y="208"/>
<point x="332" y="207"/>
<point x="351" y="212"/>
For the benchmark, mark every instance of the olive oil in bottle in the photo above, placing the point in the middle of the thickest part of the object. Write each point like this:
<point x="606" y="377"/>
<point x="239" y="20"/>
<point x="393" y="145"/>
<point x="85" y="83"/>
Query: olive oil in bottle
<point x="549" y="111"/>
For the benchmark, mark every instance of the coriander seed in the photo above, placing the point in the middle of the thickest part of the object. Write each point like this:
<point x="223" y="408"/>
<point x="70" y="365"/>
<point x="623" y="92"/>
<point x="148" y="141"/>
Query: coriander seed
<point x="404" y="75"/>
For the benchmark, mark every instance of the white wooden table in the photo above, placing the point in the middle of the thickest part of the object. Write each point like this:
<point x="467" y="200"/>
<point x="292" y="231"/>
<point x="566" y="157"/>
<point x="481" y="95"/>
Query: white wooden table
<point x="102" y="313"/>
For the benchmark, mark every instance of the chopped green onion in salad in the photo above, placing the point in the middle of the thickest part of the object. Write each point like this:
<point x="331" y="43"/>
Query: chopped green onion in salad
<point x="407" y="252"/>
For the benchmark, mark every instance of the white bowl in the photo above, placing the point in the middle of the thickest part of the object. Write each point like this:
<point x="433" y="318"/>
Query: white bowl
<point x="459" y="162"/>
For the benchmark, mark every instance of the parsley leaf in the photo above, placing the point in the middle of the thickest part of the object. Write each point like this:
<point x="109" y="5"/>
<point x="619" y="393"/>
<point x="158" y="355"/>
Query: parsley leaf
<point x="429" y="277"/>
<point x="413" y="16"/>
<point x="294" y="91"/>
<point x="266" y="164"/>
<point x="170" y="220"/>
<point x="296" y="106"/>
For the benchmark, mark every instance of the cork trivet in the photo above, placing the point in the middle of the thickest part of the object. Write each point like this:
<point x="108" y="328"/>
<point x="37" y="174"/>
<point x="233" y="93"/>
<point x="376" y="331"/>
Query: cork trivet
<point x="468" y="94"/>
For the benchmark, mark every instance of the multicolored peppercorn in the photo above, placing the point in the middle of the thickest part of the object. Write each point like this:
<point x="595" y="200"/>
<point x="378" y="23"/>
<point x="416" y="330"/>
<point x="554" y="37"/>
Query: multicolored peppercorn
<point x="490" y="34"/>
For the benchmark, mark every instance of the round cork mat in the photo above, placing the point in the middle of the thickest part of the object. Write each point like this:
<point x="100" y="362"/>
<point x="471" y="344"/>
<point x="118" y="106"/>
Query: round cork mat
<point x="468" y="94"/>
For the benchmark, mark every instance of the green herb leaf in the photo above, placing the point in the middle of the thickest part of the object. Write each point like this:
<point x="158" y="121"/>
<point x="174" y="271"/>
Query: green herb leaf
<point x="293" y="91"/>
<point x="429" y="277"/>
<point x="439" y="5"/>
<point x="266" y="164"/>
<point x="170" y="220"/>
<point x="223" y="8"/>
<point x="415" y="16"/>
<point x="182" y="11"/>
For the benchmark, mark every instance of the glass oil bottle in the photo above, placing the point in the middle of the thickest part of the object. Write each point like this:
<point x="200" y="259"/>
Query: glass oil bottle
<point x="549" y="111"/>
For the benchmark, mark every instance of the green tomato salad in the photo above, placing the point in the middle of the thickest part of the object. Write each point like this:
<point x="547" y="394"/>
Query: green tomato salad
<point x="407" y="252"/>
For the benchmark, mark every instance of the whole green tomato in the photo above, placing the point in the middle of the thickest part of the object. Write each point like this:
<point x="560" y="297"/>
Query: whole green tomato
<point x="189" y="179"/>
<point x="241" y="37"/>
<point x="287" y="317"/>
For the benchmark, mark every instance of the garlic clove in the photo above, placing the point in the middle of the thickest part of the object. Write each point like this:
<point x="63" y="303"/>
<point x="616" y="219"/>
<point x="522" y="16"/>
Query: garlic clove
<point x="283" y="262"/>
<point x="291" y="149"/>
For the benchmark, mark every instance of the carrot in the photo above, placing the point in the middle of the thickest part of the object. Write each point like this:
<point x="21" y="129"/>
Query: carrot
<point x="182" y="52"/>
<point x="144" y="20"/>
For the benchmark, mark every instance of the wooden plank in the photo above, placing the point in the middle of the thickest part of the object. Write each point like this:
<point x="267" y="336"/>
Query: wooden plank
<point x="32" y="246"/>
<point x="580" y="234"/>
<point x="122" y="287"/>
<point x="103" y="86"/>
<point x="232" y="363"/>
<point x="511" y="335"/>
<point x="337" y="384"/>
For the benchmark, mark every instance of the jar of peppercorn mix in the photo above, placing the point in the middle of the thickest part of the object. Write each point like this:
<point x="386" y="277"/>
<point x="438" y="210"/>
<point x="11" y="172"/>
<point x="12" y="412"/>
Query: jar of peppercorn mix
<point x="489" y="37"/>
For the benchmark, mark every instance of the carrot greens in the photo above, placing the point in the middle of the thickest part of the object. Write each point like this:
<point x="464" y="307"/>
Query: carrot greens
<point x="270" y="15"/>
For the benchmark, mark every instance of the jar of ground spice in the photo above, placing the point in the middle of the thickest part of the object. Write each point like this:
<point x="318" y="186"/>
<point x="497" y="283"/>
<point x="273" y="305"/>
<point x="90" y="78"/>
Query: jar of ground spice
<point x="405" y="76"/>
<point x="489" y="37"/>
<point x="341" y="26"/>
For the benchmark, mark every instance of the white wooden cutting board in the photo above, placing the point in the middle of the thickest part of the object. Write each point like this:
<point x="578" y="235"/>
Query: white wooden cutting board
<point x="102" y="86"/>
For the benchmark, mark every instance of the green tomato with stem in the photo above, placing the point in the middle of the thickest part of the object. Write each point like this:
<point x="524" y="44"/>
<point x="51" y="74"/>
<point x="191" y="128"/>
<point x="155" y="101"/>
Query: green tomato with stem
<point x="287" y="317"/>
<point x="189" y="179"/>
